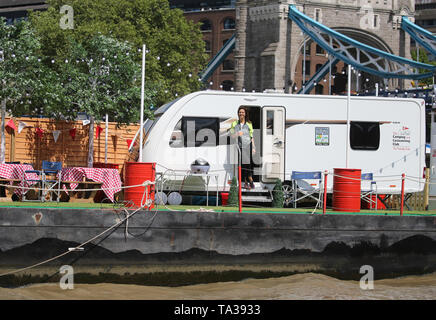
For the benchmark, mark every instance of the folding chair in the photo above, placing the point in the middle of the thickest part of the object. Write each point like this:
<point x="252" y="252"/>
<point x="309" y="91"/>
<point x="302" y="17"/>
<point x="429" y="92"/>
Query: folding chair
<point x="51" y="179"/>
<point x="37" y="183"/>
<point x="306" y="185"/>
<point x="368" y="190"/>
<point x="48" y="180"/>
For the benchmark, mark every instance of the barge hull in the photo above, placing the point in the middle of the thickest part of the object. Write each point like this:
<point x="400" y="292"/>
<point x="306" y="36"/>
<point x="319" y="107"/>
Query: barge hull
<point x="331" y="243"/>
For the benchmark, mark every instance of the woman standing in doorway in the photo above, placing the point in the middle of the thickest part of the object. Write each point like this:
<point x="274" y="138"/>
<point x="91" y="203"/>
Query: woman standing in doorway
<point x="242" y="129"/>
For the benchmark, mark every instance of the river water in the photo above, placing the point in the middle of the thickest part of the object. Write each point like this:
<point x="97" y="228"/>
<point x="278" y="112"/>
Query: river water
<point x="307" y="286"/>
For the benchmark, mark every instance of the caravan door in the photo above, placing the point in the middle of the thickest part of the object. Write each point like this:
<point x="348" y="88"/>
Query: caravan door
<point x="273" y="144"/>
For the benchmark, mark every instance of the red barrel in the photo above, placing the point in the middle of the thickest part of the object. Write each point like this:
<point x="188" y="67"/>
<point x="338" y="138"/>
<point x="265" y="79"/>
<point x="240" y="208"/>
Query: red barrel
<point x="346" y="190"/>
<point x="135" y="174"/>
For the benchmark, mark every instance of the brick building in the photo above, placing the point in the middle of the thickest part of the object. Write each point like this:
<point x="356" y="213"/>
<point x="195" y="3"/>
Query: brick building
<point x="218" y="24"/>
<point x="217" y="18"/>
<point x="14" y="10"/>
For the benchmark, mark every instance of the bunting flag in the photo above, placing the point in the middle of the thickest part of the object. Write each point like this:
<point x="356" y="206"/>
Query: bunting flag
<point x="11" y="124"/>
<point x="98" y="130"/>
<point x="39" y="132"/>
<point x="21" y="126"/>
<point x="129" y="141"/>
<point x="73" y="133"/>
<point x="56" y="134"/>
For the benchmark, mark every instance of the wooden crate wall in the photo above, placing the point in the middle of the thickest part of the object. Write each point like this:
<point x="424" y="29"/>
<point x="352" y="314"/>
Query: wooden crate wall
<point x="27" y="147"/>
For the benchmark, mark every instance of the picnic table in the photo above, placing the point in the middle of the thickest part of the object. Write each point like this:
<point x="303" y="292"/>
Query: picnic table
<point x="16" y="173"/>
<point x="109" y="178"/>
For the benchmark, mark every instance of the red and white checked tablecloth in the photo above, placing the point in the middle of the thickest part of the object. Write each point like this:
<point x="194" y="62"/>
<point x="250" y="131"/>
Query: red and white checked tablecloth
<point x="16" y="171"/>
<point x="110" y="178"/>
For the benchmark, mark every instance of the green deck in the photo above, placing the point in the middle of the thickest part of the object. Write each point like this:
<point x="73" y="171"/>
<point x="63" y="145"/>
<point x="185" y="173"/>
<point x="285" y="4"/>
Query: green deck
<point x="68" y="205"/>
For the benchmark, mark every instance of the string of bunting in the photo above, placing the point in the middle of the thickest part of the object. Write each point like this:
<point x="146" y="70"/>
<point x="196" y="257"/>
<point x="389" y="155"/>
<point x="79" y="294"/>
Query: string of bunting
<point x="56" y="133"/>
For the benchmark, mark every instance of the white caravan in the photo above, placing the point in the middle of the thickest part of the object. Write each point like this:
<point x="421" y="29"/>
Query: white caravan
<point x="292" y="133"/>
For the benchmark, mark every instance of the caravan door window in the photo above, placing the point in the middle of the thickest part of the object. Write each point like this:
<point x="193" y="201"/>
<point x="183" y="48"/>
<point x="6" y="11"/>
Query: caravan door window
<point x="364" y="135"/>
<point x="269" y="122"/>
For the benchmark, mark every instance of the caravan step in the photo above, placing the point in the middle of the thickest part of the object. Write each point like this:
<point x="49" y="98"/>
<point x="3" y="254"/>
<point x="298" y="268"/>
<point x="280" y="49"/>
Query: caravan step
<point x="256" y="199"/>
<point x="257" y="189"/>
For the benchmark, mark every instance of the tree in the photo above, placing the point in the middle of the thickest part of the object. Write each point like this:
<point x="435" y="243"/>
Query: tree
<point x="278" y="199"/>
<point x="26" y="85"/>
<point x="424" y="59"/>
<point x="101" y="77"/>
<point x="233" y="193"/>
<point x="176" y="49"/>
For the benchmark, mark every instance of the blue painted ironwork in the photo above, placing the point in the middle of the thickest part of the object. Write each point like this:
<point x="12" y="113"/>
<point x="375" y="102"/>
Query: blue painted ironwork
<point x="376" y="62"/>
<point x="218" y="59"/>
<point x="423" y="37"/>
<point x="318" y="76"/>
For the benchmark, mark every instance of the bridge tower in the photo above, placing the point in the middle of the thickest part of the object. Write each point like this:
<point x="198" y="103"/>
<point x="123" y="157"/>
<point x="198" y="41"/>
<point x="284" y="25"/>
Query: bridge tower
<point x="269" y="46"/>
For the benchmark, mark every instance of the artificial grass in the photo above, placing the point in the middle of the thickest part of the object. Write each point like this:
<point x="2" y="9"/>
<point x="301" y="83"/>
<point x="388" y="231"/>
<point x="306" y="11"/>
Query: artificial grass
<point x="66" y="205"/>
<point x="91" y="205"/>
<point x="292" y="210"/>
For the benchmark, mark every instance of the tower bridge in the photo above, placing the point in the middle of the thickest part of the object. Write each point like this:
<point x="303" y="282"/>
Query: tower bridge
<point x="269" y="47"/>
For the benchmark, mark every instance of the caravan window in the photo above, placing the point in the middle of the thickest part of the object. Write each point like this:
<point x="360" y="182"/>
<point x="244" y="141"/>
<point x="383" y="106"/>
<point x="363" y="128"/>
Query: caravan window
<point x="364" y="135"/>
<point x="195" y="132"/>
<point x="200" y="132"/>
<point x="176" y="139"/>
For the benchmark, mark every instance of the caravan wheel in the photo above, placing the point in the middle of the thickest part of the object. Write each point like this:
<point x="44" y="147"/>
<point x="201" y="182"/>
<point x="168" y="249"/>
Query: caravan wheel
<point x="287" y="193"/>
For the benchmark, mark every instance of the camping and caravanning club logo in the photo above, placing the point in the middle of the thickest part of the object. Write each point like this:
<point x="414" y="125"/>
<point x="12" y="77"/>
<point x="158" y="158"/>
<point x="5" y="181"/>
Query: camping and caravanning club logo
<point x="401" y="138"/>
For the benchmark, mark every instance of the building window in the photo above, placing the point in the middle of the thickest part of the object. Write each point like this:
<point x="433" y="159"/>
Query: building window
<point x="229" y="24"/>
<point x="319" y="50"/>
<point x="228" y="65"/>
<point x="376" y="21"/>
<point x="364" y="135"/>
<point x="307" y="64"/>
<point x="227" y="85"/>
<point x="318" y="15"/>
<point x="319" y="89"/>
<point x="207" y="47"/>
<point x="318" y="66"/>
<point x="308" y="44"/>
<point x="206" y="25"/>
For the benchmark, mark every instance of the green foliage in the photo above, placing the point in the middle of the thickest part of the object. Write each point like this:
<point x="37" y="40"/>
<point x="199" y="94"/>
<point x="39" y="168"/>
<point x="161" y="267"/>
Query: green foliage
<point x="233" y="193"/>
<point x="424" y="59"/>
<point x="102" y="78"/>
<point x="25" y="82"/>
<point x="169" y="37"/>
<point x="278" y="198"/>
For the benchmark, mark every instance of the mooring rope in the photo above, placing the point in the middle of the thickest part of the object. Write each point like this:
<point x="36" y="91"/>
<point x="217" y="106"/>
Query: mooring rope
<point x="127" y="217"/>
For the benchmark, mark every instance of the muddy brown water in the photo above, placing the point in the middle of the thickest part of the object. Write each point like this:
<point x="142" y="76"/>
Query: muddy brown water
<point x="307" y="286"/>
